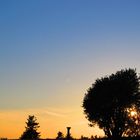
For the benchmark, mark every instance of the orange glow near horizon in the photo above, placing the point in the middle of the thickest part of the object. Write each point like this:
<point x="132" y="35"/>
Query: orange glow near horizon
<point x="50" y="122"/>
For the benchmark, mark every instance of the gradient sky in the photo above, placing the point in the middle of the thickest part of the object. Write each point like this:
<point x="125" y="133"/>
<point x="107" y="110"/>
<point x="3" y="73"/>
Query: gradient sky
<point x="51" y="51"/>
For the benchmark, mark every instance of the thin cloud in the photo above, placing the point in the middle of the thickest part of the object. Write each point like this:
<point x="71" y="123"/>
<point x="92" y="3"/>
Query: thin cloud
<point x="46" y="112"/>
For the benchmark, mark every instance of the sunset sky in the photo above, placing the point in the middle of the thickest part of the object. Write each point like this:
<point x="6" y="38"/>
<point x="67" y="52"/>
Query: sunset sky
<point x="51" y="51"/>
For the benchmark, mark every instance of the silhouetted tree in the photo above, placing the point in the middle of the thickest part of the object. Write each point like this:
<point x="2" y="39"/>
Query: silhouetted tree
<point x="106" y="103"/>
<point x="60" y="136"/>
<point x="31" y="129"/>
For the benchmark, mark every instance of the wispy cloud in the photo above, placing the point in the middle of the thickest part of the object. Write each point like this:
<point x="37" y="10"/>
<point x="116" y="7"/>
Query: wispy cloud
<point x="51" y="113"/>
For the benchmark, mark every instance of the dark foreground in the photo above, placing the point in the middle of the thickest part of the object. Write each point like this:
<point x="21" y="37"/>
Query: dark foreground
<point x="125" y="138"/>
<point x="85" y="138"/>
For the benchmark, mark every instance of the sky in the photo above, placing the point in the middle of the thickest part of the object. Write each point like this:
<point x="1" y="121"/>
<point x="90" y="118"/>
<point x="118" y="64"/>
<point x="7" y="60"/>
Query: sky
<point x="52" y="51"/>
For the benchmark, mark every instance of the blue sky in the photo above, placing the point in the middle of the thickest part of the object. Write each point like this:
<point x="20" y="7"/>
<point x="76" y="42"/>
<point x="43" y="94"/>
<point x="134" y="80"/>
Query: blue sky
<point x="52" y="51"/>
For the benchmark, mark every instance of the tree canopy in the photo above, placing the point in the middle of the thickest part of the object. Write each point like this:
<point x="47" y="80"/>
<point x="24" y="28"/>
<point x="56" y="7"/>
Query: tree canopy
<point x="108" y="100"/>
<point x="31" y="129"/>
